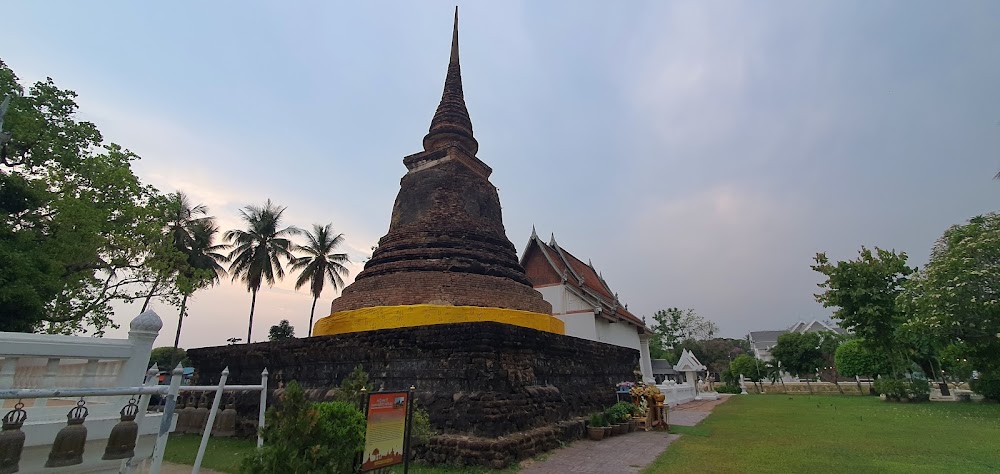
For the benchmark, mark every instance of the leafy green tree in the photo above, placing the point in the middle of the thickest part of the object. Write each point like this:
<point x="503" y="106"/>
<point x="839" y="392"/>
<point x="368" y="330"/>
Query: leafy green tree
<point x="955" y="296"/>
<point x="202" y="265"/>
<point x="180" y="216"/>
<point x="76" y="224"/>
<point x="257" y="251"/>
<point x="798" y="353"/>
<point x="748" y="366"/>
<point x="954" y="360"/>
<point x="320" y="263"/>
<point x="853" y="358"/>
<point x="864" y="292"/>
<point x="674" y="326"/>
<point x="166" y="357"/>
<point x="282" y="330"/>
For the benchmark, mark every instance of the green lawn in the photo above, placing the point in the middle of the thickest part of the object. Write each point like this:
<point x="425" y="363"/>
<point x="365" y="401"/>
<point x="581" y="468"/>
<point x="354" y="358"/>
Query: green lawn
<point x="222" y="454"/>
<point x="782" y="433"/>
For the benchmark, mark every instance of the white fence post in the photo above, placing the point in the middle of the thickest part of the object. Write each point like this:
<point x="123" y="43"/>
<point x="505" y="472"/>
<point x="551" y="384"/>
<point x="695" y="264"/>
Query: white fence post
<point x="263" y="406"/>
<point x="168" y="418"/>
<point x="210" y="422"/>
<point x="142" y="333"/>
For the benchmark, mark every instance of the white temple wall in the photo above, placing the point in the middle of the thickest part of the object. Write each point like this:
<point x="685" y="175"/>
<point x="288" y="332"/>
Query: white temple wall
<point x="619" y="334"/>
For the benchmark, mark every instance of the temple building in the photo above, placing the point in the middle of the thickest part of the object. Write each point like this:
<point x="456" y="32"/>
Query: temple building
<point x="582" y="300"/>
<point x="446" y="257"/>
<point x="445" y="306"/>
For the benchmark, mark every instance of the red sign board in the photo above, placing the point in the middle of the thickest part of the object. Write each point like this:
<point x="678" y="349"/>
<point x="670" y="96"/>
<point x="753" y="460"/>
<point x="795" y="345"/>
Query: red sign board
<point x="386" y="432"/>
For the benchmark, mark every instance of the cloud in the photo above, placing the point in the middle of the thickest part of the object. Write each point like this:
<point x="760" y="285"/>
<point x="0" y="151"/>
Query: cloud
<point x="729" y="252"/>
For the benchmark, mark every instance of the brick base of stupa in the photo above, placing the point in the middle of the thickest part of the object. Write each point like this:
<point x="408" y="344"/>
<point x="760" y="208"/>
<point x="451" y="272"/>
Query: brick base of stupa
<point x="496" y="393"/>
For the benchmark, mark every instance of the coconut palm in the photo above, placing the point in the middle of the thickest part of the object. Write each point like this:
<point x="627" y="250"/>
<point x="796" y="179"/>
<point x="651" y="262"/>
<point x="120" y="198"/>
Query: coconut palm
<point x="203" y="265"/>
<point x="320" y="263"/>
<point x="258" y="250"/>
<point x="180" y="216"/>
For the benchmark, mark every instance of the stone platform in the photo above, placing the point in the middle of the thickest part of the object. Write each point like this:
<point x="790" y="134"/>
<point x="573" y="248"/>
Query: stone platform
<point x="484" y="384"/>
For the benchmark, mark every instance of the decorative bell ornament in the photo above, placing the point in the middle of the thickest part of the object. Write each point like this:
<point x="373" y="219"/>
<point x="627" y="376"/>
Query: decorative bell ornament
<point x="12" y="439"/>
<point x="67" y="449"/>
<point x="225" y="422"/>
<point x="121" y="442"/>
<point x="200" y="416"/>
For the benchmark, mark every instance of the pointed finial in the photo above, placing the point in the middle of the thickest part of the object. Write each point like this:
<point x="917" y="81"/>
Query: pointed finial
<point x="451" y="122"/>
<point x="454" y="40"/>
<point x="533" y="234"/>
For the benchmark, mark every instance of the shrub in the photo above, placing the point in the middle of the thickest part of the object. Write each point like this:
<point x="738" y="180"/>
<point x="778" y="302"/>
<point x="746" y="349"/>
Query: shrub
<point x="595" y="421"/>
<point x="626" y="408"/>
<point x="350" y="388"/>
<point x="987" y="386"/>
<point x="617" y="413"/>
<point x="304" y="437"/>
<point x="728" y="389"/>
<point x="420" y="427"/>
<point x="918" y="388"/>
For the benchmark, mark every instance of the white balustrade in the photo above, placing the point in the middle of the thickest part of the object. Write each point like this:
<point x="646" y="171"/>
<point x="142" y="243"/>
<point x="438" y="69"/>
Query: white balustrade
<point x="677" y="393"/>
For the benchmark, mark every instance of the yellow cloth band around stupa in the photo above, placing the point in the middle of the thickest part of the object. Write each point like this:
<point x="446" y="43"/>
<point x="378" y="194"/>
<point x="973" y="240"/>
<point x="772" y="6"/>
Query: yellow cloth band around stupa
<point x="390" y="317"/>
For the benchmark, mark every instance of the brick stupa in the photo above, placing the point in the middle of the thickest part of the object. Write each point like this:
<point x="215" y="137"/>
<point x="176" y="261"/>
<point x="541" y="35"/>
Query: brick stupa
<point x="446" y="257"/>
<point x="445" y="307"/>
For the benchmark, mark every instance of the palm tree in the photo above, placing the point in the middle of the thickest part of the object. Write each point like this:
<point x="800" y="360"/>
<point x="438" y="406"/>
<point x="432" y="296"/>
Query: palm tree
<point x="181" y="217"/>
<point x="202" y="267"/>
<point x="320" y="263"/>
<point x="257" y="251"/>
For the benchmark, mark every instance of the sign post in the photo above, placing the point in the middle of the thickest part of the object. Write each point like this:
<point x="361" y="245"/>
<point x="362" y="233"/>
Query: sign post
<point x="387" y="434"/>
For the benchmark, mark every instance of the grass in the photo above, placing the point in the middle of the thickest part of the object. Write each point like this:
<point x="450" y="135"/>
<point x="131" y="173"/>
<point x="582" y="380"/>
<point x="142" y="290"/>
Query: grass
<point x="782" y="433"/>
<point x="225" y="454"/>
<point x="222" y="454"/>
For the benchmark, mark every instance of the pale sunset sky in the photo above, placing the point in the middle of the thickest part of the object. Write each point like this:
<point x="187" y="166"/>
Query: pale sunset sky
<point x="699" y="153"/>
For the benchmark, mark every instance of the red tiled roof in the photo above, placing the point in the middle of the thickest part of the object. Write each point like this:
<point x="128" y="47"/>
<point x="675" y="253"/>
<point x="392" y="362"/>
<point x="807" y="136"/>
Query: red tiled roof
<point x="571" y="267"/>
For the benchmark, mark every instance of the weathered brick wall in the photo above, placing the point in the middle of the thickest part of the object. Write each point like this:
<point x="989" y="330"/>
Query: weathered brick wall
<point x="446" y="244"/>
<point x="454" y="289"/>
<point x="481" y="379"/>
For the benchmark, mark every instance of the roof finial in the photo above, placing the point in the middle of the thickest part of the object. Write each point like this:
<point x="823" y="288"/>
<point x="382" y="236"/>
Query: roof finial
<point x="451" y="122"/>
<point x="454" y="40"/>
<point x="533" y="234"/>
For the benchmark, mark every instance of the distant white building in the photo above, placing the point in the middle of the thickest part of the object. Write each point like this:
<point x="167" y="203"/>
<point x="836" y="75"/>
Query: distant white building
<point x="583" y="300"/>
<point x="763" y="341"/>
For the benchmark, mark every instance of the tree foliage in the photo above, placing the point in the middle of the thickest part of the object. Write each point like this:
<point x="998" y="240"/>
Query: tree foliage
<point x="674" y="326"/>
<point x="853" y="358"/>
<point x="166" y="358"/>
<point x="77" y="225"/>
<point x="751" y="368"/>
<point x="798" y="353"/>
<point x="864" y="292"/>
<point x="320" y="263"/>
<point x="257" y="251"/>
<point x="282" y="330"/>
<point x="308" y="437"/>
<point x="350" y="388"/>
<point x="956" y="297"/>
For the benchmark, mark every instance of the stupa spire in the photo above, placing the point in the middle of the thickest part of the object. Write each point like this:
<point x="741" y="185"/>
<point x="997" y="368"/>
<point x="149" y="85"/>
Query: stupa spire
<point x="451" y="122"/>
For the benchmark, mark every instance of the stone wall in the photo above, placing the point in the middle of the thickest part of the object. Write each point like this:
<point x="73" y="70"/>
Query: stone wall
<point x="481" y="380"/>
<point x="443" y="288"/>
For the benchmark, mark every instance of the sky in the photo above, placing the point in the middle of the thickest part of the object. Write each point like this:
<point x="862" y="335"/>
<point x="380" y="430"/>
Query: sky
<point x="699" y="153"/>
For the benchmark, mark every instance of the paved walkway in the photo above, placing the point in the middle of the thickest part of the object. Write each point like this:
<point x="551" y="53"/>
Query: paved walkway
<point x="620" y="454"/>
